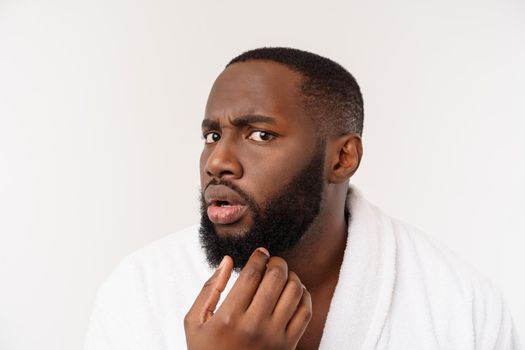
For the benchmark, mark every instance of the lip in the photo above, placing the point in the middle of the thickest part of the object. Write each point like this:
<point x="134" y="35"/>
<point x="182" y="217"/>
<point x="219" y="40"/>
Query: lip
<point x="232" y="212"/>
<point x="225" y="215"/>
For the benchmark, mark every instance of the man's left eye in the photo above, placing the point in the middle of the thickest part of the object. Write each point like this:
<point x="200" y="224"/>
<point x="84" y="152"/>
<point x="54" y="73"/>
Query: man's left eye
<point x="260" y="136"/>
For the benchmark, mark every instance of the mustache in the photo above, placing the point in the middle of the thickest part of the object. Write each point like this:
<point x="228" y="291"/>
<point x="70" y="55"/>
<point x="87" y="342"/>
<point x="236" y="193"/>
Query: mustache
<point x="245" y="196"/>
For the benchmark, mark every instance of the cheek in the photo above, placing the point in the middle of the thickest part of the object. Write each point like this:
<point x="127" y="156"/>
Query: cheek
<point x="202" y="162"/>
<point x="266" y="175"/>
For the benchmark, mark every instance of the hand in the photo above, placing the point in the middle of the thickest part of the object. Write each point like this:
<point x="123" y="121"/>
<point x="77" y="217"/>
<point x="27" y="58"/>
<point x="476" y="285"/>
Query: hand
<point x="267" y="308"/>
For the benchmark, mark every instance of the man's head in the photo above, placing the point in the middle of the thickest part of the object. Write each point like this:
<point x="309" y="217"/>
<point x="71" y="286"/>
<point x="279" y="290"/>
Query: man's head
<point x="282" y="137"/>
<point x="329" y="93"/>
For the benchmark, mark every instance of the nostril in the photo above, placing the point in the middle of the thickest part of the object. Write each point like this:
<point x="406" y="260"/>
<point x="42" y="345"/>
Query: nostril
<point x="220" y="173"/>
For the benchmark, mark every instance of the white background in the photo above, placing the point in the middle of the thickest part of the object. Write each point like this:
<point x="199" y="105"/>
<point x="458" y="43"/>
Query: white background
<point x="101" y="102"/>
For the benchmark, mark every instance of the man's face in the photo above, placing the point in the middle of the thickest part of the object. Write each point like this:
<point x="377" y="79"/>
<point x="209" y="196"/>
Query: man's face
<point x="262" y="166"/>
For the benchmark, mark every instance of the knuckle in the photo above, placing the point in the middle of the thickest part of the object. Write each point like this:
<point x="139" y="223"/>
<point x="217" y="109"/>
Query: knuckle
<point x="278" y="261"/>
<point x="296" y="288"/>
<point x="293" y="276"/>
<point x="252" y="273"/>
<point x="306" y="314"/>
<point x="209" y="283"/>
<point x="250" y="331"/>
<point x="306" y="308"/>
<point x="307" y="297"/>
<point x="226" y="321"/>
<point x="278" y="273"/>
<point x="294" y="280"/>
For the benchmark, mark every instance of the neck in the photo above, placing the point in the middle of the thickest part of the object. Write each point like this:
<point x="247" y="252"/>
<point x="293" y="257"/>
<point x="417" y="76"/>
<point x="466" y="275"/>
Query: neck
<point x="317" y="258"/>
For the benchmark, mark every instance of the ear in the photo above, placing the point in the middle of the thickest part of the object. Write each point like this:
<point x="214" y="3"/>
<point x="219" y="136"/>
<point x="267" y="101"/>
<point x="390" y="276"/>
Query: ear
<point x="345" y="154"/>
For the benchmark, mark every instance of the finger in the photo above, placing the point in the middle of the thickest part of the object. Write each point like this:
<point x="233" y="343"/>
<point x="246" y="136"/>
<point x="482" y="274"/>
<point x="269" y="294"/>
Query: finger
<point x="206" y="302"/>
<point x="300" y="319"/>
<point x="270" y="289"/>
<point x="288" y="301"/>
<point x="247" y="283"/>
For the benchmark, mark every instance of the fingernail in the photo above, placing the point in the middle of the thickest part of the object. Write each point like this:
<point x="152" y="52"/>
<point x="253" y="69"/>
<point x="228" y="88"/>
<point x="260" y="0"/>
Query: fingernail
<point x="264" y="251"/>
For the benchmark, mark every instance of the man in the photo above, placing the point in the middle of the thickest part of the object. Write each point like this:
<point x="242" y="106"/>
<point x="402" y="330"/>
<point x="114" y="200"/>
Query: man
<point x="301" y="259"/>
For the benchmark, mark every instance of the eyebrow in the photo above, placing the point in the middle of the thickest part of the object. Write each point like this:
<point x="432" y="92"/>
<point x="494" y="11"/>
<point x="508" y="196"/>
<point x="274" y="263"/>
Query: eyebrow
<point x="240" y="121"/>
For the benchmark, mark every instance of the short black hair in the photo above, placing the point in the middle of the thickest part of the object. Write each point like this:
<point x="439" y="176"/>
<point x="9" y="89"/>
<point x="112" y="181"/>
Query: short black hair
<point x="331" y="94"/>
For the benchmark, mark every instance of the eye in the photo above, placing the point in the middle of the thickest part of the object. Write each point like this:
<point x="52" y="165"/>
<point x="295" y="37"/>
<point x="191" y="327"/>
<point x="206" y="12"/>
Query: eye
<point x="211" y="137"/>
<point x="261" y="136"/>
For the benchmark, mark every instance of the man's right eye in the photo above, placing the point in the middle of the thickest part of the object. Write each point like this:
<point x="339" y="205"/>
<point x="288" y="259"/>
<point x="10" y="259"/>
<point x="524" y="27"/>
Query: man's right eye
<point x="212" y="137"/>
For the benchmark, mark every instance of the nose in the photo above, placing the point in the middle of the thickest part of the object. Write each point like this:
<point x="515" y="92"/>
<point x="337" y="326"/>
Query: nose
<point x="223" y="161"/>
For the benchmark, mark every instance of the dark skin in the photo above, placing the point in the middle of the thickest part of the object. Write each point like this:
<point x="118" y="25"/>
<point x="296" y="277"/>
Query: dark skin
<point x="259" y="156"/>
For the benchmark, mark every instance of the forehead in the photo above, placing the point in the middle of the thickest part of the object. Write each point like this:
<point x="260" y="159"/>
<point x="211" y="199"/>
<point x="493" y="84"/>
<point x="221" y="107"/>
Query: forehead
<point x="256" y="87"/>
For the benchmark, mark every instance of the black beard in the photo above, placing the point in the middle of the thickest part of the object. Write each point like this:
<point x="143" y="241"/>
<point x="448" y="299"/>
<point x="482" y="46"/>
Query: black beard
<point x="279" y="227"/>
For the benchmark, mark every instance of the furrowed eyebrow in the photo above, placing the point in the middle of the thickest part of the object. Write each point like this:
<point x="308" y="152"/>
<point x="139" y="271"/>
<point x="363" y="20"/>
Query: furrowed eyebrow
<point x="240" y="121"/>
<point x="251" y="119"/>
<point x="210" y="124"/>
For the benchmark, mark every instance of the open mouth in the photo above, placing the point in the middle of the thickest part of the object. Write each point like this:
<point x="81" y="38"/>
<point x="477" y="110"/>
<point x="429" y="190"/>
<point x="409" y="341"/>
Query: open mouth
<point x="225" y="212"/>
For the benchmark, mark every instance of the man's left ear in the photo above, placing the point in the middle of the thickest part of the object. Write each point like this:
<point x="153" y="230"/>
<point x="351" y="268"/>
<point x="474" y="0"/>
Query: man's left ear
<point x="345" y="154"/>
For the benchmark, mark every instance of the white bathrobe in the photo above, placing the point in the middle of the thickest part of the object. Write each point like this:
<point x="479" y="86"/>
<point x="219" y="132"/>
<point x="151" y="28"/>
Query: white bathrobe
<point x="397" y="289"/>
